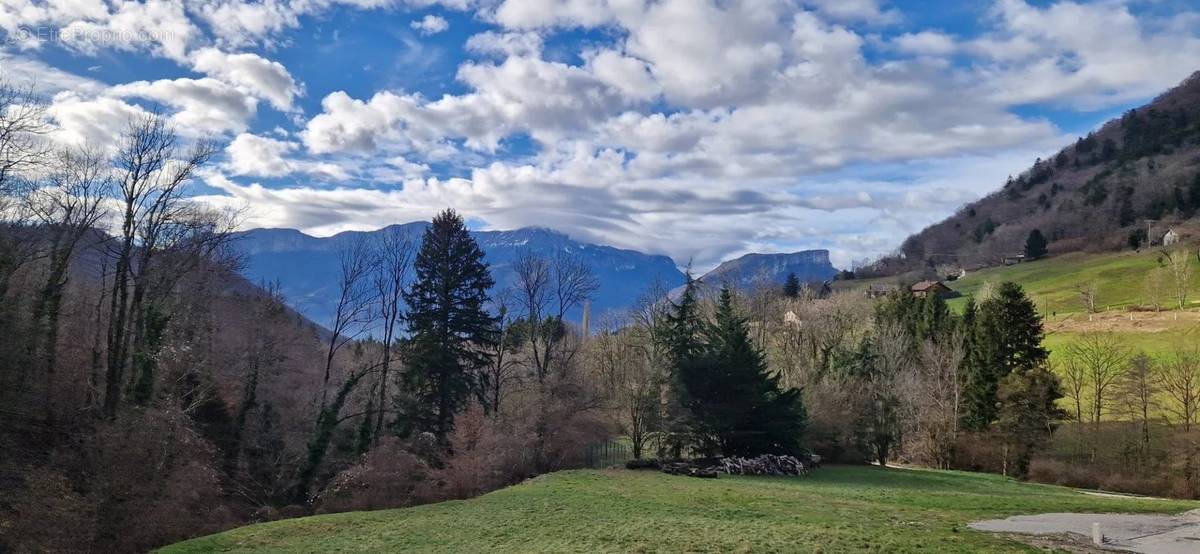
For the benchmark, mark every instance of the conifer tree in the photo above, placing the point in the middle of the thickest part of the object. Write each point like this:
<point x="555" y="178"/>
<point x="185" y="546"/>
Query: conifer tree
<point x="791" y="287"/>
<point x="685" y="329"/>
<point x="450" y="331"/>
<point x="737" y="406"/>
<point x="1028" y="413"/>
<point x="936" y="323"/>
<point x="1006" y="337"/>
<point x="1035" y="245"/>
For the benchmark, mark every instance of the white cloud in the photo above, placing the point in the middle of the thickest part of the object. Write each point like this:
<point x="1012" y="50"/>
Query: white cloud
<point x="158" y="25"/>
<point x="258" y="156"/>
<point x="532" y="14"/>
<point x="252" y="73"/>
<point x="90" y="122"/>
<point x="926" y="43"/>
<point x="865" y="11"/>
<point x="1087" y="56"/>
<point x="430" y="24"/>
<point x="204" y="106"/>
<point x="696" y="128"/>
<point x="506" y="44"/>
<point x="242" y="23"/>
<point x="23" y="71"/>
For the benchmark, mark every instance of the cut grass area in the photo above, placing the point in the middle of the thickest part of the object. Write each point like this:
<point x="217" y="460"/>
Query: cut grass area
<point x="1053" y="283"/>
<point x="836" y="509"/>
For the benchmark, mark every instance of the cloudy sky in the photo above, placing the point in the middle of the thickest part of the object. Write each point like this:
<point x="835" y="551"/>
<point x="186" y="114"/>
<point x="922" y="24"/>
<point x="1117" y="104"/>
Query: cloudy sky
<point x="694" y="128"/>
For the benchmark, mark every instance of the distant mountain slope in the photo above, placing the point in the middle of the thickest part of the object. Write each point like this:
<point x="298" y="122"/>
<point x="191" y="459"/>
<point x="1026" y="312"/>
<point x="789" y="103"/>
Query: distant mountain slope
<point x="1132" y="179"/>
<point x="306" y="267"/>
<point x="755" y="269"/>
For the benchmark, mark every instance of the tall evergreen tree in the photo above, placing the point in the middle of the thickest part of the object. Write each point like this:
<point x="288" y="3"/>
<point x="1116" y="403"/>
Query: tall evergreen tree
<point x="937" y="323"/>
<point x="1028" y="414"/>
<point x="791" y="287"/>
<point x="737" y="406"/>
<point x="451" y="334"/>
<point x="1035" y="244"/>
<point x="1006" y="337"/>
<point x="683" y="337"/>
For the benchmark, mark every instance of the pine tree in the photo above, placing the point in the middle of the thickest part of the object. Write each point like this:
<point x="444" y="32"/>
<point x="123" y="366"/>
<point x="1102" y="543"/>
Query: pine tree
<point x="450" y="332"/>
<point x="1028" y="413"/>
<point x="737" y="406"/>
<point x="937" y="323"/>
<point x="1006" y="337"/>
<point x="791" y="287"/>
<point x="685" y="330"/>
<point x="686" y="327"/>
<point x="1035" y="245"/>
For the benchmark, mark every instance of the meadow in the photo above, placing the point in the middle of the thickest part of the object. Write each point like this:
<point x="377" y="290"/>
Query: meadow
<point x="1053" y="283"/>
<point x="835" y="509"/>
<point x="1120" y="279"/>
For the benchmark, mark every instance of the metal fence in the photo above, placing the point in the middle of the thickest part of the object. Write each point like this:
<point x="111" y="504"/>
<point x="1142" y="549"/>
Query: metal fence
<point x="607" y="454"/>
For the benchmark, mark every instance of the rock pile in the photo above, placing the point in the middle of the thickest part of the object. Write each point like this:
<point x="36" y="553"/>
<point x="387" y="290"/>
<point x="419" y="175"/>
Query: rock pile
<point x="767" y="464"/>
<point x="690" y="470"/>
<point x="709" y="468"/>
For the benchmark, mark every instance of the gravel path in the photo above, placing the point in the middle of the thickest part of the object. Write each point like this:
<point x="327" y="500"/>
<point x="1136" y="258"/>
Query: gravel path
<point x="1150" y="534"/>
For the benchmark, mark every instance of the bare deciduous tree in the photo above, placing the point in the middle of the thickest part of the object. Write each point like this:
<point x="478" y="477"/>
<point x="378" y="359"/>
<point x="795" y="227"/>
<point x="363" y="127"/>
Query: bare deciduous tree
<point x="1180" y="380"/>
<point x="501" y="374"/>
<point x="68" y="204"/>
<point x="355" y="298"/>
<point x="394" y="255"/>
<point x="1103" y="359"/>
<point x="153" y="173"/>
<point x="1088" y="293"/>
<point x="22" y="150"/>
<point x="1075" y="377"/>
<point x="1155" y="287"/>
<point x="1137" y="391"/>
<point x="933" y="390"/>
<point x="1179" y="266"/>
<point x="547" y="291"/>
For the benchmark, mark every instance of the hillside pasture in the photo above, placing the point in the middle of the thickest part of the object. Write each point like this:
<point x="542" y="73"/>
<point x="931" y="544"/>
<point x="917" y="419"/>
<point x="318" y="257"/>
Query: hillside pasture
<point x="1053" y="283"/>
<point x="836" y="509"/>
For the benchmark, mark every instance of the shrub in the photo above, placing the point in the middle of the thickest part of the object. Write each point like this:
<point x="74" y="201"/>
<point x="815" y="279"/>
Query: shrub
<point x="386" y="477"/>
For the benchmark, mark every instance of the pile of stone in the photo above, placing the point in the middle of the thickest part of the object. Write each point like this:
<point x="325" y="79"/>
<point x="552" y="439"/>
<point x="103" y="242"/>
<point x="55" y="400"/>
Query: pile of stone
<point x="767" y="464"/>
<point x="690" y="470"/>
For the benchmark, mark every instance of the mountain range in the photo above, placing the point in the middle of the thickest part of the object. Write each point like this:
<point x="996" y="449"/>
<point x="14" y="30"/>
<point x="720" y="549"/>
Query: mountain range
<point x="751" y="270"/>
<point x="306" y="267"/>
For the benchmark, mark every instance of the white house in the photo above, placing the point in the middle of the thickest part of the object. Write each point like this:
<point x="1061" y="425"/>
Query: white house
<point x="1170" y="238"/>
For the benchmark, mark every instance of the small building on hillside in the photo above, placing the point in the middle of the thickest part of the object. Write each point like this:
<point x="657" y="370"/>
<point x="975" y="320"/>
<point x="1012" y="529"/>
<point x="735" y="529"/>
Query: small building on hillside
<point x="934" y="288"/>
<point x="878" y="290"/>
<point x="1013" y="259"/>
<point x="1170" y="238"/>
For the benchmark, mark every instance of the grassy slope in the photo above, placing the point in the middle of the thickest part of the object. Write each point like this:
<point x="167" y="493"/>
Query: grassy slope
<point x="1052" y="284"/>
<point x="838" y="509"/>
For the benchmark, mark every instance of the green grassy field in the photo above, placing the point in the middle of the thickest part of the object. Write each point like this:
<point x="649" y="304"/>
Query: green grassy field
<point x="837" y="509"/>
<point x="1053" y="282"/>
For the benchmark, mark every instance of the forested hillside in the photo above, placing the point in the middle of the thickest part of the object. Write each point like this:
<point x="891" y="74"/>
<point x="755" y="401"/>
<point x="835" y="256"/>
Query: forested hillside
<point x="1123" y="185"/>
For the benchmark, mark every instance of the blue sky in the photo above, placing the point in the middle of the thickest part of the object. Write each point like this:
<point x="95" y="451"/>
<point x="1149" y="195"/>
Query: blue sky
<point x="693" y="128"/>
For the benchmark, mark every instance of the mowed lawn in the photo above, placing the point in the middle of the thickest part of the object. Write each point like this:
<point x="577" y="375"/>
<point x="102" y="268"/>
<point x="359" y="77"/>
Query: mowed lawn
<point x="837" y="509"/>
